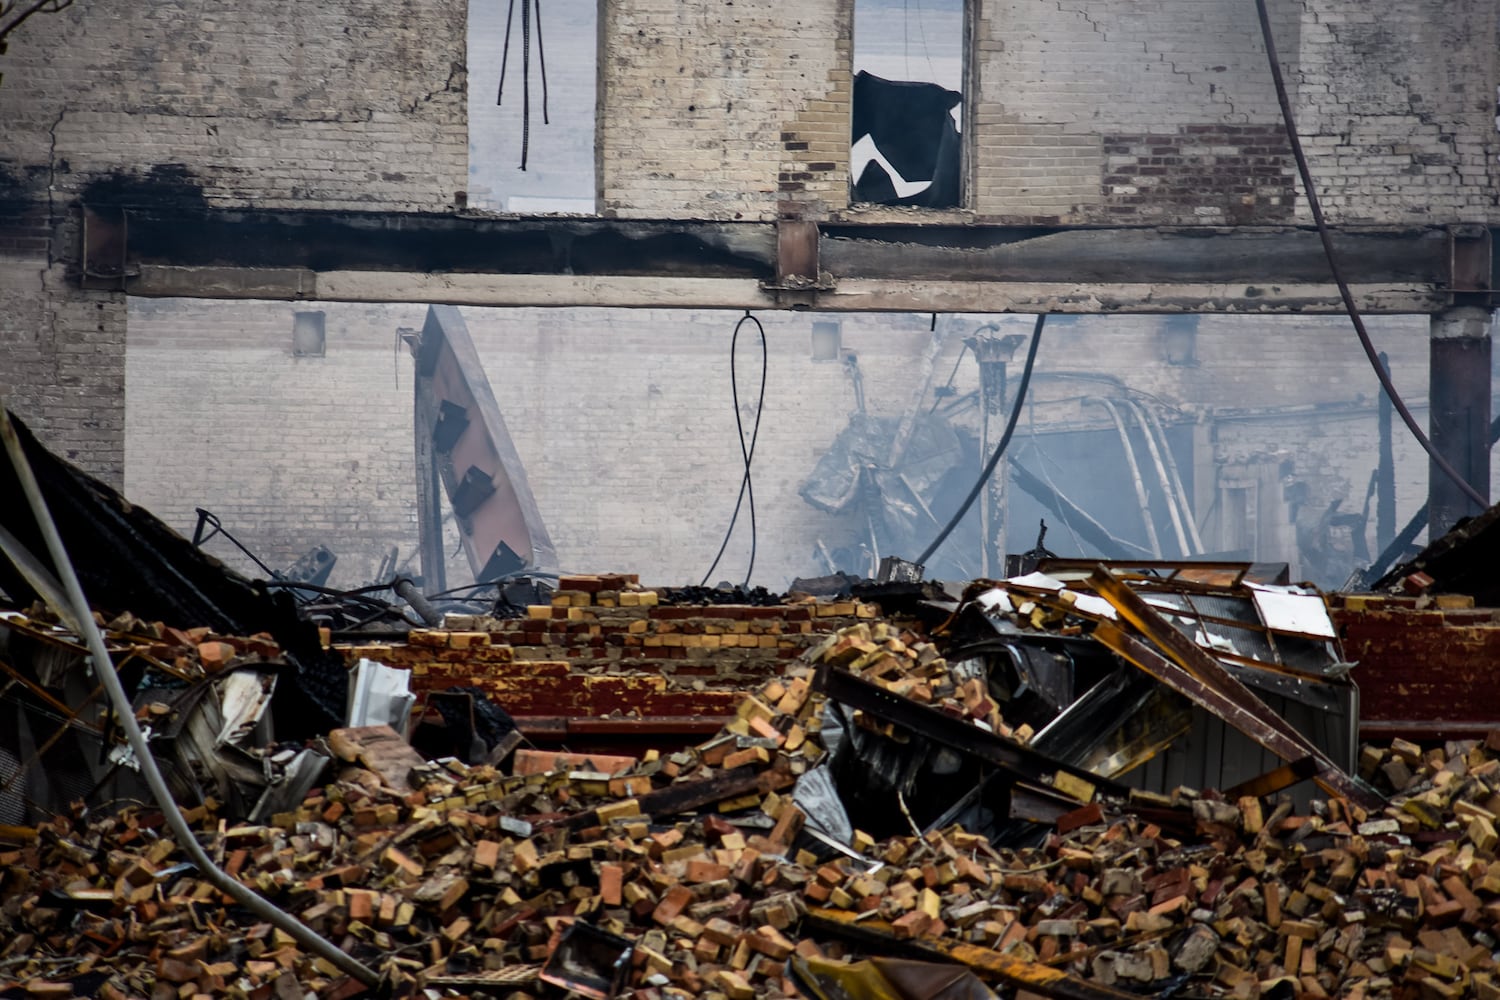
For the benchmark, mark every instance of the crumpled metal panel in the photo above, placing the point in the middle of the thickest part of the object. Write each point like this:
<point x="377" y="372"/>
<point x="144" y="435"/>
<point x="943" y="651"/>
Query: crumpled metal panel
<point x="461" y="435"/>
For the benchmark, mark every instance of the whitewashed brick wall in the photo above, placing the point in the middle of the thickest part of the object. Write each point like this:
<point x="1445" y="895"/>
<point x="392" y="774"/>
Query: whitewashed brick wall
<point x="719" y="110"/>
<point x="624" y="421"/>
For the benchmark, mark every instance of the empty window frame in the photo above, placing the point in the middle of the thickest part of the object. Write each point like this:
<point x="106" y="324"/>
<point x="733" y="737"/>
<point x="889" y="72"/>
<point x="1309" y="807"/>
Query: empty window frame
<point x="561" y="39"/>
<point x="907" y="115"/>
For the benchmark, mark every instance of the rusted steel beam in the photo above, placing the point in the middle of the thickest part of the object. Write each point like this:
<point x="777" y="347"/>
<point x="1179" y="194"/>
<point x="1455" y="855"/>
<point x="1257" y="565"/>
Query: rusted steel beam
<point x="1188" y="655"/>
<point x="1032" y="977"/>
<point x="1253" y="724"/>
<point x="957" y="734"/>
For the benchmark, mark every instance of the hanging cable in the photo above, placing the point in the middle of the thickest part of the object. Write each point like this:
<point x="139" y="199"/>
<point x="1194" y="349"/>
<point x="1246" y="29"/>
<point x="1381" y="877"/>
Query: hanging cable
<point x="525" y="80"/>
<point x="541" y="60"/>
<point x="1333" y="265"/>
<point x="989" y="467"/>
<point x="526" y="17"/>
<point x="510" y="14"/>
<point x="747" y="489"/>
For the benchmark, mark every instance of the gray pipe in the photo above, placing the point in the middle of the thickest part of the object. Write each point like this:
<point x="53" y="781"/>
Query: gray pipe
<point x="1182" y="497"/>
<point x="39" y="578"/>
<point x="418" y="601"/>
<point x="125" y="715"/>
<point x="1161" y="474"/>
<point x="1135" y="471"/>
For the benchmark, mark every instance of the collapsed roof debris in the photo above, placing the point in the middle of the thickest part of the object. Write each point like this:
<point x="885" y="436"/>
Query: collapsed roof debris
<point x="127" y="560"/>
<point x="716" y="870"/>
<point x="1074" y="783"/>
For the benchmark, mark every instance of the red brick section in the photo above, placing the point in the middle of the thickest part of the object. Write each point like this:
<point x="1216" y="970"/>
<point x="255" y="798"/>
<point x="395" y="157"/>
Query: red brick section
<point x="24" y="230"/>
<point x="1423" y="672"/>
<point x="583" y="658"/>
<point x="1205" y="173"/>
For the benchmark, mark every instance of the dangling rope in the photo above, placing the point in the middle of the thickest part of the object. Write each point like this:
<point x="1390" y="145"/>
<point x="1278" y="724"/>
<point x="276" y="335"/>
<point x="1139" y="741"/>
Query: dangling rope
<point x="541" y="55"/>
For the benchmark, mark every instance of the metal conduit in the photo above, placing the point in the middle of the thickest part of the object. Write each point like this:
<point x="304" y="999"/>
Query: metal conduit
<point x="1161" y="475"/>
<point x="1176" y="504"/>
<point x="1176" y="477"/>
<point x="1135" y="471"/>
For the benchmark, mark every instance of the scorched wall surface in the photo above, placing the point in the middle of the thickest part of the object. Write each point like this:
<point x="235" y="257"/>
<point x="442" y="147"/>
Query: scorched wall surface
<point x="625" y="422"/>
<point x="349" y="105"/>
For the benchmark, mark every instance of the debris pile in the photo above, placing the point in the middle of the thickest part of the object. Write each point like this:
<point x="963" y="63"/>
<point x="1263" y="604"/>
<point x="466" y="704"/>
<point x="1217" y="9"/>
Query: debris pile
<point x="694" y="871"/>
<point x="607" y="655"/>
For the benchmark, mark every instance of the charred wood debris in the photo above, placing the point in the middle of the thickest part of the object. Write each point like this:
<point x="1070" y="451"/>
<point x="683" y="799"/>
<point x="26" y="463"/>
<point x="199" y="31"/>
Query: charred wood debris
<point x="1092" y="780"/>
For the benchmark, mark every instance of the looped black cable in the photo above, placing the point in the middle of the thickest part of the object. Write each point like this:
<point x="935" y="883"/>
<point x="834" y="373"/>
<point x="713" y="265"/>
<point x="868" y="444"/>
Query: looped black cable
<point x="989" y="467"/>
<point x="747" y="489"/>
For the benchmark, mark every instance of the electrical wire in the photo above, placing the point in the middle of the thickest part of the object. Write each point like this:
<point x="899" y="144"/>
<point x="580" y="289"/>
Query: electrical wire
<point x="1010" y="428"/>
<point x="747" y="488"/>
<point x="1333" y="265"/>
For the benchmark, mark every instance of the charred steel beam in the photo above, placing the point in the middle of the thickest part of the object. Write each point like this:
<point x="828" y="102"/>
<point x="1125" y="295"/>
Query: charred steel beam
<point x="1254" y="257"/>
<point x="1459" y="412"/>
<point x="427" y="242"/>
<point x="950" y="731"/>
<point x="174" y="249"/>
<point x="327" y="241"/>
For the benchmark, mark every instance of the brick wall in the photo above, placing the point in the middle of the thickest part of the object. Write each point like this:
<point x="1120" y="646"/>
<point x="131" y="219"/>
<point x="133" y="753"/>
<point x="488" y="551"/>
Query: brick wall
<point x="624" y="421"/>
<point x="357" y="104"/>
<point x="1083" y="110"/>
<point x="717" y="110"/>
<point x="62" y="364"/>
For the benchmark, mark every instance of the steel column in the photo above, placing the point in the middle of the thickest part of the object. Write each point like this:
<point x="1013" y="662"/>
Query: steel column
<point x="1459" y="416"/>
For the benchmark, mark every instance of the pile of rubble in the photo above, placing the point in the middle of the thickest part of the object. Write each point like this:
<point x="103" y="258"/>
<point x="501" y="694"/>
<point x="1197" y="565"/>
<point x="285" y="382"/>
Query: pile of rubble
<point x="726" y="870"/>
<point x="606" y="645"/>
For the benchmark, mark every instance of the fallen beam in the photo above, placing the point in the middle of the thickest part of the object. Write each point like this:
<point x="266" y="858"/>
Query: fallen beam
<point x="1033" y="977"/>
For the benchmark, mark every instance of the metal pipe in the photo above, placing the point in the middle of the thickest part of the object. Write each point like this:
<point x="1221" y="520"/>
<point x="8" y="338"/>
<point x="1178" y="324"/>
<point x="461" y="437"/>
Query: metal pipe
<point x="1135" y="471"/>
<point x="38" y="577"/>
<point x="110" y="680"/>
<point x="1161" y="476"/>
<point x="1173" y="507"/>
<point x="418" y="601"/>
<point x="1182" y="497"/>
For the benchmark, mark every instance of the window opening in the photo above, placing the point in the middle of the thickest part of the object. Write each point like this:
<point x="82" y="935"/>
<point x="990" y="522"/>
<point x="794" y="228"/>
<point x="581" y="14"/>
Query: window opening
<point x="559" y="162"/>
<point x="907" y="111"/>
<point x="309" y="339"/>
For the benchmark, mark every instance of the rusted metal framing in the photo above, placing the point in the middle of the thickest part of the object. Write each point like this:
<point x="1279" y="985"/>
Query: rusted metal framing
<point x="1189" y="670"/>
<point x="792" y="264"/>
<point x="1018" y="759"/>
